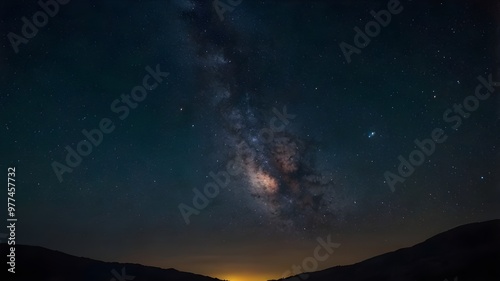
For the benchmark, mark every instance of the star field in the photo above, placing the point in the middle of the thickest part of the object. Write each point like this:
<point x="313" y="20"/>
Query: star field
<point x="267" y="90"/>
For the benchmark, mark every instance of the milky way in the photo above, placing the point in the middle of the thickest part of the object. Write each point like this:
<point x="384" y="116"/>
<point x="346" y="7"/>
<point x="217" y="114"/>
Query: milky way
<point x="267" y="88"/>
<point x="280" y="172"/>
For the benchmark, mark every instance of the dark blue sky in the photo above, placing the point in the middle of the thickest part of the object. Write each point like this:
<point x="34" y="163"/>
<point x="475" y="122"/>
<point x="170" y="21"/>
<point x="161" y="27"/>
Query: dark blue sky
<point x="318" y="173"/>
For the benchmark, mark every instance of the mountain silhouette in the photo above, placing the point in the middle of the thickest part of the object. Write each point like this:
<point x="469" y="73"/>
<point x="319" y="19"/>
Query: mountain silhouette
<point x="465" y="253"/>
<point x="469" y="252"/>
<point x="41" y="264"/>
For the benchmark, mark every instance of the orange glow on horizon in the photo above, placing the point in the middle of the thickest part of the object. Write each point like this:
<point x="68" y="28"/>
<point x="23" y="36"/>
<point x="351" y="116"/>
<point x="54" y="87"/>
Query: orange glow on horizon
<point x="245" y="277"/>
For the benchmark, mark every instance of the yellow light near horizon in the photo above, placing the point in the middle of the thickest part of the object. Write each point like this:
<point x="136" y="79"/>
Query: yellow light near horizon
<point x="235" y="277"/>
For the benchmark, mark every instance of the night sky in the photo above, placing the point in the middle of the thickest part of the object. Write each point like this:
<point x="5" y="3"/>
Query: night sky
<point x="265" y="92"/>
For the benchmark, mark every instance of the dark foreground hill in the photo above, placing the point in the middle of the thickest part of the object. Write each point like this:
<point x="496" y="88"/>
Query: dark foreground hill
<point x="41" y="264"/>
<point x="467" y="253"/>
